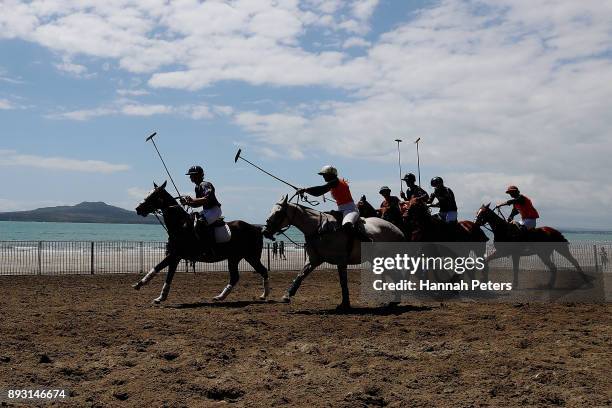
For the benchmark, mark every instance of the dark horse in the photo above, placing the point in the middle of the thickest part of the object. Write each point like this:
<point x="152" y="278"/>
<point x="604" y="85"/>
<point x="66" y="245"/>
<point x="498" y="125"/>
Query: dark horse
<point x="367" y="210"/>
<point x="246" y="243"/>
<point x="533" y="243"/>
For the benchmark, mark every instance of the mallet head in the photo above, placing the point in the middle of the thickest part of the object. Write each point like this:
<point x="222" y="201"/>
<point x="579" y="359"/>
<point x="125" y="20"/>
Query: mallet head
<point x="151" y="137"/>
<point x="237" y="155"/>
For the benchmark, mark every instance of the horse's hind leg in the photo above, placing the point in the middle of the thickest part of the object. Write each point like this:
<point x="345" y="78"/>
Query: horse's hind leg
<point x="295" y="285"/>
<point x="154" y="271"/>
<point x="166" y="288"/>
<point x="565" y="252"/>
<point x="263" y="271"/>
<point x="545" y="257"/>
<point x="232" y="267"/>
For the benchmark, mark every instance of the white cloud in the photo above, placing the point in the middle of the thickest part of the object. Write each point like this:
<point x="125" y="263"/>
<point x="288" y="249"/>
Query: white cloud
<point x="355" y="42"/>
<point x="132" y="92"/>
<point x="71" y="68"/>
<point x="6" y="104"/>
<point x="13" y="158"/>
<point x="138" y="192"/>
<point x="127" y="107"/>
<point x="145" y="110"/>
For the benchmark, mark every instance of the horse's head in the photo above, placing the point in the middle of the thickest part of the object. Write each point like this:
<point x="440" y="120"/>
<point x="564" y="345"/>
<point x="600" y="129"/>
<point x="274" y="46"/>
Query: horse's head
<point x="483" y="215"/>
<point x="416" y="209"/>
<point x="157" y="199"/>
<point x="278" y="219"/>
<point x="365" y="208"/>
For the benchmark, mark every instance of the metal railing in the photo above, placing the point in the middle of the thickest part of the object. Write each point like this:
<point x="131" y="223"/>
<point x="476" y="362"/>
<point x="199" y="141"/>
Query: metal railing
<point x="100" y="257"/>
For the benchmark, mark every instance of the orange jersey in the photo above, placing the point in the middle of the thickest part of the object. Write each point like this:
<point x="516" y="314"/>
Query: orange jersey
<point x="341" y="193"/>
<point x="526" y="208"/>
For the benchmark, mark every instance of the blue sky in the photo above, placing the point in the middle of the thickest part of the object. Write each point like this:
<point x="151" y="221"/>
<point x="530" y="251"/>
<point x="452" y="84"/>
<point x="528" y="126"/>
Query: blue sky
<point x="500" y="93"/>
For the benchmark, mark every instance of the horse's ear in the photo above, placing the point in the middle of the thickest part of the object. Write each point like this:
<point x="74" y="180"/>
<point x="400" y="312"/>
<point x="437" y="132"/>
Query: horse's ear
<point x="363" y="198"/>
<point x="154" y="185"/>
<point x="285" y="199"/>
<point x="488" y="205"/>
<point x="164" y="184"/>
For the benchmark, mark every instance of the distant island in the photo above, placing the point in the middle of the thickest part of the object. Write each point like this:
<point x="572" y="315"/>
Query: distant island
<point x="87" y="212"/>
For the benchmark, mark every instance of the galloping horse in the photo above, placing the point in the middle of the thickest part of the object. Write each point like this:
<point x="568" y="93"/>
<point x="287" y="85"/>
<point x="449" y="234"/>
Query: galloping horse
<point x="428" y="228"/>
<point x="246" y="243"/>
<point x="367" y="210"/>
<point x="504" y="232"/>
<point x="328" y="247"/>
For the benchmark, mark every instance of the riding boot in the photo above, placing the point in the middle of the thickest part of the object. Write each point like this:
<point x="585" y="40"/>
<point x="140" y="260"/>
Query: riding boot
<point x="226" y="291"/>
<point x="163" y="295"/>
<point x="362" y="235"/>
<point x="205" y="234"/>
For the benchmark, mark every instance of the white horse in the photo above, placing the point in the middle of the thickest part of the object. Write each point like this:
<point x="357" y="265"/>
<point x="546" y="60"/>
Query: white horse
<point x="331" y="247"/>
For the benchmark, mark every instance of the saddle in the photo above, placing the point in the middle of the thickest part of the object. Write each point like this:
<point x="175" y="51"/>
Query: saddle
<point x="333" y="222"/>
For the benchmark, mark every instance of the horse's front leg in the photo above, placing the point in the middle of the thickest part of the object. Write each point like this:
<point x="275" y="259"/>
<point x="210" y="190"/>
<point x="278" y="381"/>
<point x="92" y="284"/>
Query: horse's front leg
<point x="166" y="288"/>
<point x="154" y="271"/>
<point x="295" y="285"/>
<point x="342" y="274"/>
<point x="516" y="261"/>
<point x="232" y="267"/>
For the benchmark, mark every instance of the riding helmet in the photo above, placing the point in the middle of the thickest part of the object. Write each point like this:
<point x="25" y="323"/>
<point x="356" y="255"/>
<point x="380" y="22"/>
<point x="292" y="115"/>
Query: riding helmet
<point x="195" y="170"/>
<point x="512" y="189"/>
<point x="384" y="188"/>
<point x="436" y="181"/>
<point x="409" y="177"/>
<point x="331" y="170"/>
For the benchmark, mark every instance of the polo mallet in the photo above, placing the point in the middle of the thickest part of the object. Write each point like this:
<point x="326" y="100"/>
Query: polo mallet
<point x="418" y="160"/>
<point x="399" y="161"/>
<point x="150" y="138"/>
<point x="238" y="156"/>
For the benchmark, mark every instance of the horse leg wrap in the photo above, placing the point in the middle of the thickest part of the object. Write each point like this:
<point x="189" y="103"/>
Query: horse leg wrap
<point x="164" y="294"/>
<point x="266" y="288"/>
<point x="145" y="279"/>
<point x="226" y="291"/>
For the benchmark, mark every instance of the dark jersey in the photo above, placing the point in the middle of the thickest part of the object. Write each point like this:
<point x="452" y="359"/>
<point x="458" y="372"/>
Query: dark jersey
<point x="415" y="191"/>
<point x="446" y="199"/>
<point x="207" y="190"/>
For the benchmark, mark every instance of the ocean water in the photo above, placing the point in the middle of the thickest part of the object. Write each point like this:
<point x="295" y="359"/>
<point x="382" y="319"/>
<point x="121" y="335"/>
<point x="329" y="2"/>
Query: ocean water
<point x="65" y="231"/>
<point x="60" y="231"/>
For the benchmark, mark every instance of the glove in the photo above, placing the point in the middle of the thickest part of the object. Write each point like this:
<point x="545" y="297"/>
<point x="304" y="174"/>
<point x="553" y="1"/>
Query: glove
<point x="301" y="191"/>
<point x="403" y="195"/>
<point x="510" y="219"/>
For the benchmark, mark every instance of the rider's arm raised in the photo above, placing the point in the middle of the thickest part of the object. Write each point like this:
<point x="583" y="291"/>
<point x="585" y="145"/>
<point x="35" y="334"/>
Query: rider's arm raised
<point x="320" y="190"/>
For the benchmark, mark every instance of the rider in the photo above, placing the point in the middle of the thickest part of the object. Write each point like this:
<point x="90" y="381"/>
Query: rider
<point x="446" y="201"/>
<point x="412" y="189"/>
<point x="211" y="208"/>
<point x="522" y="205"/>
<point x="390" y="207"/>
<point x="341" y="192"/>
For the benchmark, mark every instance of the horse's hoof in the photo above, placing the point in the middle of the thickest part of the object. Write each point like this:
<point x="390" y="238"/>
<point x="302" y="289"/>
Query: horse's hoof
<point x="157" y="301"/>
<point x="137" y="285"/>
<point x="393" y="304"/>
<point x="286" y="299"/>
<point x="343" y="307"/>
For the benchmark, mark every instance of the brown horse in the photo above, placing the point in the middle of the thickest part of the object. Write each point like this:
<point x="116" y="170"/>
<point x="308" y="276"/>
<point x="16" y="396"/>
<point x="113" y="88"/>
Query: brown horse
<point x="505" y="232"/>
<point x="246" y="243"/>
<point x="367" y="210"/>
<point x="425" y="227"/>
